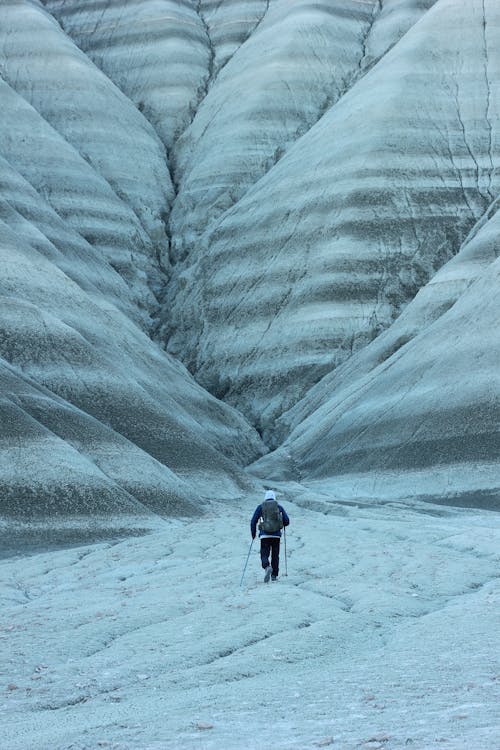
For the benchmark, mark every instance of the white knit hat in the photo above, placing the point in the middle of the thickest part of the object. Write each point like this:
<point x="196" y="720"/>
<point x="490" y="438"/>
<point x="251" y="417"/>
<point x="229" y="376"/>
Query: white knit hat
<point x="270" y="495"/>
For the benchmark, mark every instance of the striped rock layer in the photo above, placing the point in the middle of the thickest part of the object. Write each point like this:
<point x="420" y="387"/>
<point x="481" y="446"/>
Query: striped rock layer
<point x="416" y="412"/>
<point x="322" y="253"/>
<point x="97" y="421"/>
<point x="296" y="200"/>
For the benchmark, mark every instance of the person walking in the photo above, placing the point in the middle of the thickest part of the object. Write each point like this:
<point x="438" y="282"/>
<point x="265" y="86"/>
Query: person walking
<point x="273" y="518"/>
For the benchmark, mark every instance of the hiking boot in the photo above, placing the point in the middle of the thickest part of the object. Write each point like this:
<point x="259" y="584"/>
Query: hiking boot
<point x="274" y="578"/>
<point x="268" y="574"/>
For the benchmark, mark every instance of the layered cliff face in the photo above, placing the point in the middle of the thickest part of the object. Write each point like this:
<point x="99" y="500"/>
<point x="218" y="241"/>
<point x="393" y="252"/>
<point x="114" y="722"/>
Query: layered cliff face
<point x="294" y="200"/>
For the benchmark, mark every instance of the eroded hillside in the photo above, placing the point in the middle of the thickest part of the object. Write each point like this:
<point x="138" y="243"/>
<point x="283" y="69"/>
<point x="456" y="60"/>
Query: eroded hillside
<point x="296" y="201"/>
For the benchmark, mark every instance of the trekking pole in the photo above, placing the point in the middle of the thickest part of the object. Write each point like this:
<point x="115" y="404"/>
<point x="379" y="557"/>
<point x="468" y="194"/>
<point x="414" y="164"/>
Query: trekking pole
<point x="286" y="562"/>
<point x="244" y="569"/>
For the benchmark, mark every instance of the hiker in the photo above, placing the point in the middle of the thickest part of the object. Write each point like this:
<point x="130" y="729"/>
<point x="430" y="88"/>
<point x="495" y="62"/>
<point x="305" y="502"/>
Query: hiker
<point x="273" y="519"/>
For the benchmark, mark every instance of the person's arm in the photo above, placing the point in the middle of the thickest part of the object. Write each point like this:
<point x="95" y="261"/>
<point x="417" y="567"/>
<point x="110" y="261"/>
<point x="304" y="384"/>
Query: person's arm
<point x="286" y="520"/>
<point x="253" y="522"/>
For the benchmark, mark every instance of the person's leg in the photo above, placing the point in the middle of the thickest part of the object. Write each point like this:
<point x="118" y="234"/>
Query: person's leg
<point x="265" y="549"/>
<point x="275" y="557"/>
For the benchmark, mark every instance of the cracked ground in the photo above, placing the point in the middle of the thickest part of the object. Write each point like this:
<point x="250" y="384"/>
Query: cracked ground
<point x="380" y="633"/>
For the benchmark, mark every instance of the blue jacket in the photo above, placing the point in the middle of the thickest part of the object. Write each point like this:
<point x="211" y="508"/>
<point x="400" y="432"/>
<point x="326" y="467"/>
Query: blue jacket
<point x="258" y="514"/>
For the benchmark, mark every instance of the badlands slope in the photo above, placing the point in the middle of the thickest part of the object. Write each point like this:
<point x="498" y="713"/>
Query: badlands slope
<point x="249" y="242"/>
<point x="97" y="420"/>
<point x="241" y="226"/>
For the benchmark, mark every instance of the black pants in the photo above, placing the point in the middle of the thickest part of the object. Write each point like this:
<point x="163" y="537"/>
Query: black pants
<point x="270" y="546"/>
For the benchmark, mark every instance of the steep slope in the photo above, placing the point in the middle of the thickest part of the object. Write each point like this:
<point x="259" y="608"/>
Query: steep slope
<point x="98" y="361"/>
<point x="80" y="196"/>
<point x="80" y="479"/>
<point x="478" y="252"/>
<point x="416" y="413"/>
<point x="85" y="191"/>
<point x="324" y="252"/>
<point x="162" y="53"/>
<point x="299" y="60"/>
<point x="44" y="67"/>
<point x="297" y="199"/>
<point x="229" y="25"/>
<point x="156" y="51"/>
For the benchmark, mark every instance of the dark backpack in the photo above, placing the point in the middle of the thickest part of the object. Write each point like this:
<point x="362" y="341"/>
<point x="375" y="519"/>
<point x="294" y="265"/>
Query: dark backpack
<point x="272" y="520"/>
